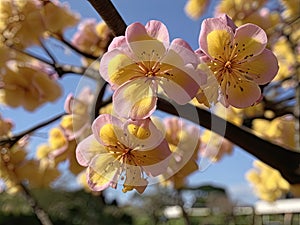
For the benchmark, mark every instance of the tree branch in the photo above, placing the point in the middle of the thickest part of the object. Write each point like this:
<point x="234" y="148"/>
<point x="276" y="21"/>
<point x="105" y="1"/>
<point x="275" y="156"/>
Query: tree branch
<point x="110" y="15"/>
<point x="278" y="157"/>
<point x="10" y="141"/>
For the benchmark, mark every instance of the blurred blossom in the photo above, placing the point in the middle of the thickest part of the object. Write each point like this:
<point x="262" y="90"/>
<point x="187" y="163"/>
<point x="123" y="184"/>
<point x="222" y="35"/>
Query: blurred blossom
<point x="119" y="151"/>
<point x="238" y="59"/>
<point x="281" y="130"/>
<point x="267" y="182"/>
<point x="240" y="10"/>
<point x="57" y="16"/>
<point x="291" y="9"/>
<point x="142" y="61"/>
<point x="16" y="168"/>
<point x="20" y="22"/>
<point x="286" y="58"/>
<point x="184" y="141"/>
<point x="77" y="123"/>
<point x="57" y="150"/>
<point x="5" y="127"/>
<point x="214" y="146"/>
<point x="195" y="8"/>
<point x="28" y="85"/>
<point x="92" y="37"/>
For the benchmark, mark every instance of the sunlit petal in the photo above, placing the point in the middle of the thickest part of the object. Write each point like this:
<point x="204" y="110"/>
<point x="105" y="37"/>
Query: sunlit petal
<point x="157" y="30"/>
<point x="214" y="35"/>
<point x="85" y="150"/>
<point x="135" y="99"/>
<point x="242" y="94"/>
<point x="103" y="171"/>
<point x="251" y="40"/>
<point x="117" y="68"/>
<point x="154" y="162"/>
<point x="107" y="129"/>
<point x="179" y="83"/>
<point x="143" y="134"/>
<point x="257" y="69"/>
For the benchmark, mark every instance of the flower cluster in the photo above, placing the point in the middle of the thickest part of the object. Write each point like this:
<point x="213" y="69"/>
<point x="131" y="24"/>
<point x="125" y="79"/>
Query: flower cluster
<point x="128" y="145"/>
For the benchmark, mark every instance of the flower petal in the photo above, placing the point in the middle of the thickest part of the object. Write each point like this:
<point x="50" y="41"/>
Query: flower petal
<point x="135" y="99"/>
<point x="184" y="50"/>
<point x="180" y="84"/>
<point x="87" y="149"/>
<point x="157" y="30"/>
<point x="242" y="94"/>
<point x="103" y="171"/>
<point x="250" y="39"/>
<point x="117" y="42"/>
<point x="107" y="129"/>
<point x="134" y="179"/>
<point x="214" y="35"/>
<point x="142" y="134"/>
<point x="262" y="68"/>
<point x="117" y="68"/>
<point x="154" y="162"/>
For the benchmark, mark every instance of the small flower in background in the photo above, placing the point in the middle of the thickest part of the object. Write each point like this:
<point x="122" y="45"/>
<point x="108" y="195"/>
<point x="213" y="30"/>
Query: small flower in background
<point x="57" y="17"/>
<point x="140" y="62"/>
<point x="268" y="184"/>
<point x="291" y="9"/>
<point x="77" y="123"/>
<point x="195" y="8"/>
<point x="28" y="85"/>
<point x="92" y="37"/>
<point x="21" y="23"/>
<point x="214" y="147"/>
<point x="58" y="149"/>
<point x="281" y="130"/>
<point x="119" y="151"/>
<point x="238" y="59"/>
<point x="184" y="141"/>
<point x="15" y="167"/>
<point x="286" y="58"/>
<point x="241" y="11"/>
<point x="6" y="126"/>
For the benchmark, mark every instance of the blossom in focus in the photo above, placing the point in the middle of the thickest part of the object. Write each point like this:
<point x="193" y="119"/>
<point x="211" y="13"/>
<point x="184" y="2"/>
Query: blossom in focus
<point x="29" y="86"/>
<point x="268" y="183"/>
<point x="184" y="141"/>
<point x="20" y="22"/>
<point x="195" y="8"/>
<point x="92" y="37"/>
<point x="140" y="62"/>
<point x="238" y="59"/>
<point x="57" y="16"/>
<point x="118" y="151"/>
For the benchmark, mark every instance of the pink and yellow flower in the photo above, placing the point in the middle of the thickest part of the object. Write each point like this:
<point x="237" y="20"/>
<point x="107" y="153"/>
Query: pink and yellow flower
<point x="239" y="59"/>
<point x="140" y="62"/>
<point x="117" y="151"/>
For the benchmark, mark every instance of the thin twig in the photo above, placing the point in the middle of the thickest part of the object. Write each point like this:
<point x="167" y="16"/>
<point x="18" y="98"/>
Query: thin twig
<point x="14" y="139"/>
<point x="42" y="216"/>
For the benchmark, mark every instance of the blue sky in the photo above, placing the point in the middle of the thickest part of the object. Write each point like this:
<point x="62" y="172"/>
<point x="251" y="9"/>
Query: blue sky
<point x="230" y="171"/>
